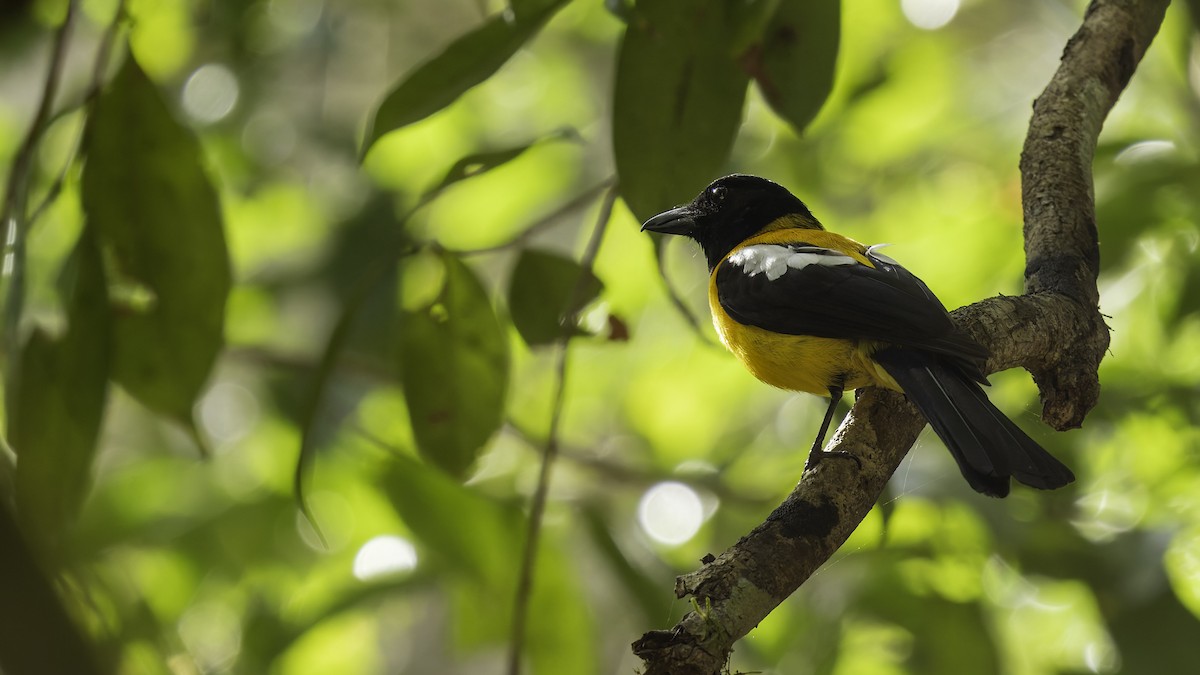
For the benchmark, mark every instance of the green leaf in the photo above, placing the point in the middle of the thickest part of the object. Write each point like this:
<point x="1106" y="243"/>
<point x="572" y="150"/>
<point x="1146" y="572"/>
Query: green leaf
<point x="750" y="21"/>
<point x="464" y="529"/>
<point x="464" y="63"/>
<point x="545" y="292"/>
<point x="159" y="222"/>
<point x="454" y="370"/>
<point x="482" y="162"/>
<point x="793" y="63"/>
<point x="677" y="101"/>
<point x="58" y="401"/>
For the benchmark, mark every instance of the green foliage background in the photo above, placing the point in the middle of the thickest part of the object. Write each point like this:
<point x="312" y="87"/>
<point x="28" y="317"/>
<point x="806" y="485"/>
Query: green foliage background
<point x="261" y="280"/>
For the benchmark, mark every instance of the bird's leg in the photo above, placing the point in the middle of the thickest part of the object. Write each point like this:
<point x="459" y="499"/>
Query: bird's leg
<point x="816" y="454"/>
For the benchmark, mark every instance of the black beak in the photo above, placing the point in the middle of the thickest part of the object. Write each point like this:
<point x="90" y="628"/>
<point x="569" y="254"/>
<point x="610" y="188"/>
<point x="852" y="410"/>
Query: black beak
<point x="679" y="220"/>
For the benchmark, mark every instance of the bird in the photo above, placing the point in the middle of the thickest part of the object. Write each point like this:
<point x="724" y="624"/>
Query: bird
<point x="809" y="310"/>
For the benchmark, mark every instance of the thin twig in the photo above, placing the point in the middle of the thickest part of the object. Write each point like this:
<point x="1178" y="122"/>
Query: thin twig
<point x="579" y="201"/>
<point x="676" y="299"/>
<point x="537" y="508"/>
<point x="103" y="54"/>
<point x="56" y="186"/>
<point x="639" y="478"/>
<point x="16" y="194"/>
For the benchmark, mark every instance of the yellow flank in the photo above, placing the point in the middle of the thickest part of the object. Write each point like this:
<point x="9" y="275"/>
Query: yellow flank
<point x="800" y="362"/>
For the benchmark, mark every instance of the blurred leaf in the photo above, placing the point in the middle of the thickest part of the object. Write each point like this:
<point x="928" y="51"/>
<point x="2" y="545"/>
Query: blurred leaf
<point x="37" y="633"/>
<point x="1182" y="563"/>
<point x="464" y="63"/>
<point x="750" y="21"/>
<point x="464" y="529"/>
<point x="1189" y="290"/>
<point x="157" y="215"/>
<point x="173" y="502"/>
<point x="794" y="62"/>
<point x="363" y="260"/>
<point x="482" y="162"/>
<point x="1194" y="12"/>
<point x="265" y="635"/>
<point x="1139" y="195"/>
<point x="481" y="616"/>
<point x="376" y="236"/>
<point x="677" y="102"/>
<point x="531" y="10"/>
<point x="561" y="631"/>
<point x="545" y="290"/>
<point x="621" y="9"/>
<point x="1154" y="634"/>
<point x="967" y="646"/>
<point x="454" y="370"/>
<point x="646" y="591"/>
<point x="368" y="290"/>
<point x="268" y="633"/>
<point x="58" y="400"/>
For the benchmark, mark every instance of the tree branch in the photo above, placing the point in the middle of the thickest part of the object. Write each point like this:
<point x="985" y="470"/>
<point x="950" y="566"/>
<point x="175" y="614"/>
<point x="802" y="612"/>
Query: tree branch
<point x="1055" y="331"/>
<point x="1062" y="250"/>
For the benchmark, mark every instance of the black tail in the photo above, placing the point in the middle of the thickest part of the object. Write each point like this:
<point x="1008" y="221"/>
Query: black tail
<point x="988" y="447"/>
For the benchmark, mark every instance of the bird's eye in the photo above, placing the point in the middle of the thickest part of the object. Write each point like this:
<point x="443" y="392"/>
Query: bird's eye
<point x="718" y="193"/>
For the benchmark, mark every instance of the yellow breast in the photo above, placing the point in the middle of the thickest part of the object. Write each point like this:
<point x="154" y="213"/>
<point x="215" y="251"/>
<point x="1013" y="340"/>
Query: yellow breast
<point x="799" y="362"/>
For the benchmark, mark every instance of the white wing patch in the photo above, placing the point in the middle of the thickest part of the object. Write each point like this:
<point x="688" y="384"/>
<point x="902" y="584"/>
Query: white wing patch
<point x="774" y="260"/>
<point x="873" y="252"/>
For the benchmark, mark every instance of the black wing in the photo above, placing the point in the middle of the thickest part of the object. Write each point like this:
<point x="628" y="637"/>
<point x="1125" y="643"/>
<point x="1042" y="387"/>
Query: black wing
<point x="824" y="293"/>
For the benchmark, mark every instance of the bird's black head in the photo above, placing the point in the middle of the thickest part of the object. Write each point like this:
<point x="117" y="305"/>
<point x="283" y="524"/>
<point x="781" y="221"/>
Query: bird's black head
<point x="729" y="211"/>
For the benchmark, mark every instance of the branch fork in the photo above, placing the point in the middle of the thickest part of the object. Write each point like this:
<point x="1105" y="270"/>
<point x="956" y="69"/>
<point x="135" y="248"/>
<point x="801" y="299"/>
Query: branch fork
<point x="1055" y="331"/>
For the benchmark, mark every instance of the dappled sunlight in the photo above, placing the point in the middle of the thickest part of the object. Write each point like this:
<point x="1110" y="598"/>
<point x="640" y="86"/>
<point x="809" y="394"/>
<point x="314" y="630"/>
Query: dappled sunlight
<point x="1103" y="514"/>
<point x="670" y="513"/>
<point x="384" y="556"/>
<point x="1182" y="561"/>
<point x="210" y="93"/>
<point x="270" y="137"/>
<point x="929" y="14"/>
<point x="212" y="634"/>
<point x="1049" y="625"/>
<point x="1145" y="151"/>
<point x="228" y="412"/>
<point x="295" y="17"/>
